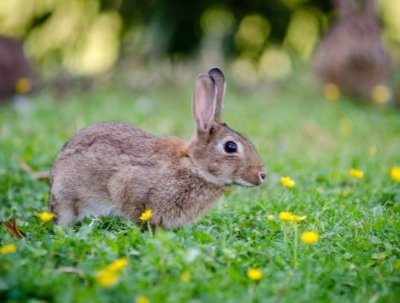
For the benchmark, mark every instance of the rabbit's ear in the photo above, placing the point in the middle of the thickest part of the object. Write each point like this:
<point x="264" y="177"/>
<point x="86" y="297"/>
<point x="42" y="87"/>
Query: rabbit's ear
<point x="344" y="7"/>
<point x="204" y="102"/>
<point x="219" y="80"/>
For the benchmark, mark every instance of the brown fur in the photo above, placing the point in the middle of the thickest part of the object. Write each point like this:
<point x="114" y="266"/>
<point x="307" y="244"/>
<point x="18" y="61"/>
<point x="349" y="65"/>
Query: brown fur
<point x="13" y="66"/>
<point x="351" y="55"/>
<point x="114" y="168"/>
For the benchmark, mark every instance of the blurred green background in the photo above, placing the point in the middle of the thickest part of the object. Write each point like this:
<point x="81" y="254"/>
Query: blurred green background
<point x="258" y="40"/>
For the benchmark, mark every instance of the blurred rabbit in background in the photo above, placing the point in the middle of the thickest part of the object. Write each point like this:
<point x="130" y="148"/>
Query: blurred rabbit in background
<point x="15" y="70"/>
<point x="351" y="56"/>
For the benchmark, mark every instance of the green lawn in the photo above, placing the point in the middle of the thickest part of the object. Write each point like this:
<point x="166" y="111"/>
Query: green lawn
<point x="297" y="133"/>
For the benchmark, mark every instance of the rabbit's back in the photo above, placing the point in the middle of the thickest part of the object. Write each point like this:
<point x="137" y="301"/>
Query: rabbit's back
<point x="107" y="145"/>
<point x="115" y="137"/>
<point x="100" y="150"/>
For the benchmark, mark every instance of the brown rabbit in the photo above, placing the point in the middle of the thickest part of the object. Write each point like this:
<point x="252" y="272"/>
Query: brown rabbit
<point x="351" y="55"/>
<point x="14" y="67"/>
<point x="116" y="169"/>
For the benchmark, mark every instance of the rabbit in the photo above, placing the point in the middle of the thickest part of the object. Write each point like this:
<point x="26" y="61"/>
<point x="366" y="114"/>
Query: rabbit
<point x="351" y="55"/>
<point x="116" y="169"/>
<point x="14" y="69"/>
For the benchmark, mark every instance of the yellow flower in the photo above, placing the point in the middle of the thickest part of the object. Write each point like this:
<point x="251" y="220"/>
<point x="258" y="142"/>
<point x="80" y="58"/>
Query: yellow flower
<point x="395" y="173"/>
<point x="345" y="127"/>
<point x="287" y="182"/>
<point x="372" y="150"/>
<point x="254" y="274"/>
<point x="142" y="299"/>
<point x="380" y="94"/>
<point x="288" y="216"/>
<point x="186" y="276"/>
<point x="146" y="215"/>
<point x="46" y="216"/>
<point x="309" y="237"/>
<point x="270" y="217"/>
<point x="23" y="85"/>
<point x="396" y="265"/>
<point x="107" y="278"/>
<point x="109" y="275"/>
<point x="8" y="249"/>
<point x="297" y="218"/>
<point x="331" y="91"/>
<point x="118" y="264"/>
<point x="356" y="173"/>
<point x="285" y="216"/>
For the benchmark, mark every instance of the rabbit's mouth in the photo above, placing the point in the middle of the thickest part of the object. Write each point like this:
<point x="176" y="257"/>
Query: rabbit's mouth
<point x="255" y="180"/>
<point x="244" y="183"/>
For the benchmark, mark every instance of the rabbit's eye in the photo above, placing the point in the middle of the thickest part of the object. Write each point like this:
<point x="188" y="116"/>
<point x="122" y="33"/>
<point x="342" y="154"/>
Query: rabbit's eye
<point x="230" y="147"/>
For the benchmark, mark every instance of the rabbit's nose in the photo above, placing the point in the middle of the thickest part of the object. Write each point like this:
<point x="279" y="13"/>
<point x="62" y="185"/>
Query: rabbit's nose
<point x="262" y="176"/>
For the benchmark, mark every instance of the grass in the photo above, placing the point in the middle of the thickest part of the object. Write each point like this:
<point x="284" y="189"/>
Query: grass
<point x="298" y="134"/>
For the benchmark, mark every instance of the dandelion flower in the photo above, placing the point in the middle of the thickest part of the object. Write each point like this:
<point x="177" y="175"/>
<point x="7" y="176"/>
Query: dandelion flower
<point x="285" y="216"/>
<point x="118" y="264"/>
<point x="380" y="94"/>
<point x="288" y="216"/>
<point x="107" y="278"/>
<point x="109" y="275"/>
<point x="395" y="173"/>
<point x="23" y="85"/>
<point x="396" y="265"/>
<point x="46" y="216"/>
<point x="345" y="127"/>
<point x="331" y="91"/>
<point x="297" y="218"/>
<point x="270" y="217"/>
<point x="356" y="173"/>
<point x="254" y="274"/>
<point x="309" y="237"/>
<point x="146" y="215"/>
<point x="186" y="276"/>
<point x="142" y="299"/>
<point x="372" y="150"/>
<point x="287" y="182"/>
<point x="8" y="249"/>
